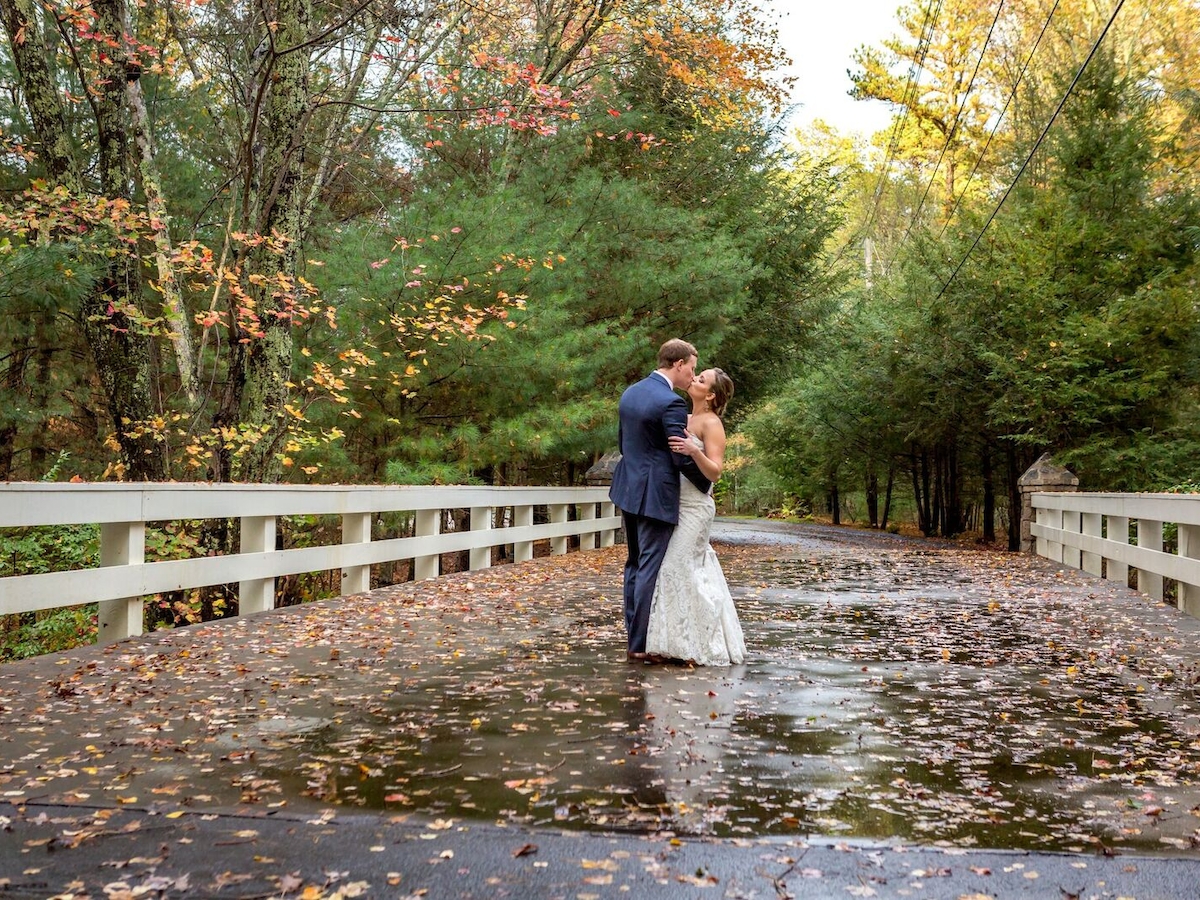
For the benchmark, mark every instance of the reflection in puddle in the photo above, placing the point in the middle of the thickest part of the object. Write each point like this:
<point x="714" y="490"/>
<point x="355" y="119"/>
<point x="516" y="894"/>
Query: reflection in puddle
<point x="884" y="718"/>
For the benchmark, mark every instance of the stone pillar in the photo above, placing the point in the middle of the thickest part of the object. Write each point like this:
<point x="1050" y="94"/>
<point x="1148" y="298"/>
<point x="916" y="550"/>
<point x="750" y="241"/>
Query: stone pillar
<point x="601" y="474"/>
<point x="1042" y="477"/>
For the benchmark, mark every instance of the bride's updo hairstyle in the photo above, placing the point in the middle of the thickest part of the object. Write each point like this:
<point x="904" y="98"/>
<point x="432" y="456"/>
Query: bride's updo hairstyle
<point x="722" y="390"/>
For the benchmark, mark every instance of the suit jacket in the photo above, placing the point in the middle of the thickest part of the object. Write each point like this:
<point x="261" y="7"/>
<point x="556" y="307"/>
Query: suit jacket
<point x="646" y="480"/>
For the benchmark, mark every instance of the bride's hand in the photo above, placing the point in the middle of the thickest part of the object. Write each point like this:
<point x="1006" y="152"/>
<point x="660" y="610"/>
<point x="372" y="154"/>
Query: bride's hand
<point x="683" y="445"/>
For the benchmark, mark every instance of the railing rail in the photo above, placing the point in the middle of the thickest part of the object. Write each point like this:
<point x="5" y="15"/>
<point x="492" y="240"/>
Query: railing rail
<point x="123" y="511"/>
<point x="1116" y="535"/>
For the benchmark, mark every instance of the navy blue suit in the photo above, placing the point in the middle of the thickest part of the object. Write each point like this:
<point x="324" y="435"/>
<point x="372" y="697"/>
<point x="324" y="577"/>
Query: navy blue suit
<point x="645" y="487"/>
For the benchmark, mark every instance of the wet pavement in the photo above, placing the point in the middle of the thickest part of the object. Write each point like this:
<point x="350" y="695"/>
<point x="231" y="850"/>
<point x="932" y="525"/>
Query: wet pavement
<point x="914" y="719"/>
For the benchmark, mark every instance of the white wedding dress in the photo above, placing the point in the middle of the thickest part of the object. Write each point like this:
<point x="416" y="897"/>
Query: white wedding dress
<point x="693" y="617"/>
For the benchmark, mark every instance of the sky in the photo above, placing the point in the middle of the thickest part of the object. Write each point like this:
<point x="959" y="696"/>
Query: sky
<point x="820" y="36"/>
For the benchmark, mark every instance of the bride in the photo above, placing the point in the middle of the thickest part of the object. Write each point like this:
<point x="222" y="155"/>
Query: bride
<point x="692" y="617"/>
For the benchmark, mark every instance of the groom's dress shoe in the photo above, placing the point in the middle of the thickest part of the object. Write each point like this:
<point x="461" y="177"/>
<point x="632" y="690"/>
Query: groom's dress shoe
<point x="634" y="656"/>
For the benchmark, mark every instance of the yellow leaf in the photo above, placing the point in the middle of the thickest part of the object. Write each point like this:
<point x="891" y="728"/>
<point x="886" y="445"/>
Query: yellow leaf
<point x="607" y="865"/>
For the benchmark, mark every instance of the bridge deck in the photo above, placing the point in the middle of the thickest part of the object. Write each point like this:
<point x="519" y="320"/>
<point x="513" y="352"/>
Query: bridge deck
<point x="899" y="694"/>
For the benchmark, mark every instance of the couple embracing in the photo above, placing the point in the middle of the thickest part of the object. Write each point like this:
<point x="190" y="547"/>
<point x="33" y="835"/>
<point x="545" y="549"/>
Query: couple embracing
<point x="677" y="603"/>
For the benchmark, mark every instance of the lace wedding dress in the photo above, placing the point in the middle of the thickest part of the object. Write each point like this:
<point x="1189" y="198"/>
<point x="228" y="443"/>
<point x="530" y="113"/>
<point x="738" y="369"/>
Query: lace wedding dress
<point x="693" y="617"/>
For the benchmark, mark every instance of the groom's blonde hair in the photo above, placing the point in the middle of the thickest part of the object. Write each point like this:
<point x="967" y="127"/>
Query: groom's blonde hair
<point x="673" y="351"/>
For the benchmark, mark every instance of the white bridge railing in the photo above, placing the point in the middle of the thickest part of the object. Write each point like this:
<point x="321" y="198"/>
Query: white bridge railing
<point x="1112" y="534"/>
<point x="122" y="511"/>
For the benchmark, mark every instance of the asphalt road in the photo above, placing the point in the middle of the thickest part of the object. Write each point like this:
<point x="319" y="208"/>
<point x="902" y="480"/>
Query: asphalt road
<point x="916" y="720"/>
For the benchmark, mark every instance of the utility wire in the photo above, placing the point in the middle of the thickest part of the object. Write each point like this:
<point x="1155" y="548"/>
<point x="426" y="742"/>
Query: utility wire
<point x="1037" y="144"/>
<point x="1011" y="95"/>
<point x="954" y="128"/>
<point x="918" y="64"/>
<point x="910" y="94"/>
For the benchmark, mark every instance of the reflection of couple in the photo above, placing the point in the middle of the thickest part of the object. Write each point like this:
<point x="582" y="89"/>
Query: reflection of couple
<point x="677" y="603"/>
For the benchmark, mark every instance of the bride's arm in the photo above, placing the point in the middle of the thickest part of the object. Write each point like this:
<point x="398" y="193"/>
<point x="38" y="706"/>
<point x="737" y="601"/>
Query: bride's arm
<point x="710" y="460"/>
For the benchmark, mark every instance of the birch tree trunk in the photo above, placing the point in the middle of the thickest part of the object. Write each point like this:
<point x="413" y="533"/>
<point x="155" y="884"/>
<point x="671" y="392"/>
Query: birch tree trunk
<point x="174" y="310"/>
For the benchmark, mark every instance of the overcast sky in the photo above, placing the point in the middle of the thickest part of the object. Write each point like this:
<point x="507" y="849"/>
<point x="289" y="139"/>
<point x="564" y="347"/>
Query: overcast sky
<point x="820" y="36"/>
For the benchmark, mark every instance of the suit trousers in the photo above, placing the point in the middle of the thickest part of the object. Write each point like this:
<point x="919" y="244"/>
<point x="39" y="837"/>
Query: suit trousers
<point x="646" y="541"/>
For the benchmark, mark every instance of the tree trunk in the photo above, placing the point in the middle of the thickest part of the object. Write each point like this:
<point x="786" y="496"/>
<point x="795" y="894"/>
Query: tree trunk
<point x="40" y="393"/>
<point x="260" y="372"/>
<point x="12" y="382"/>
<point x="1014" y="497"/>
<point x="121" y="355"/>
<point x="173" y="306"/>
<point x="918" y="467"/>
<point x="887" y="496"/>
<point x="952" y="514"/>
<point x="989" y="496"/>
<point x="938" y="503"/>
<point x="835" y="502"/>
<point x="872" y="496"/>
<point x="32" y="59"/>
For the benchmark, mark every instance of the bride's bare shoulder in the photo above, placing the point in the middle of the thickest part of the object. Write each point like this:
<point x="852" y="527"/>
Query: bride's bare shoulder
<point x="707" y="423"/>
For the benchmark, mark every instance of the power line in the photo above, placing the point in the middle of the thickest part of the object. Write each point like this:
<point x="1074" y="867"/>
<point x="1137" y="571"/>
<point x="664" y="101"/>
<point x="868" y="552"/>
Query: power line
<point x="954" y="128"/>
<point x="1037" y="144"/>
<point x="1012" y="94"/>
<point x="910" y="90"/>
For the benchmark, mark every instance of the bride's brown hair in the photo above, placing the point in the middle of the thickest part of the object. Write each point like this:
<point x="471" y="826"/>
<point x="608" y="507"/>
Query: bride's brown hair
<point x="722" y="391"/>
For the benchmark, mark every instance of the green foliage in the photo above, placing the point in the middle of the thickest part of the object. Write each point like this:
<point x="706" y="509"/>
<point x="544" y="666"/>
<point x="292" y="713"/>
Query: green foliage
<point x="33" y="634"/>
<point x="1072" y="327"/>
<point x="610" y="260"/>
<point x="35" y="551"/>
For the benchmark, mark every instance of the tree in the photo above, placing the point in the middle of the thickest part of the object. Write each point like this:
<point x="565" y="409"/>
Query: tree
<point x="120" y="350"/>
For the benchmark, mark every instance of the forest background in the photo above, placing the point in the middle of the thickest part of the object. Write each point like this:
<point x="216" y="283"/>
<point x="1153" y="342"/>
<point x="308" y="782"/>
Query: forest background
<point x="431" y="242"/>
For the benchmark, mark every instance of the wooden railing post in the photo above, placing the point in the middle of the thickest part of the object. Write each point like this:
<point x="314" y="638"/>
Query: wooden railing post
<point x="1189" y="546"/>
<point x="481" y="520"/>
<point x="1116" y="530"/>
<point x="258" y="536"/>
<point x="1071" y="556"/>
<point x="1051" y="518"/>
<point x="1150" y="537"/>
<point x="608" y="537"/>
<point x="356" y="529"/>
<point x="587" y="512"/>
<point x="1093" y="524"/>
<point x="429" y="522"/>
<point x="121" y="544"/>
<point x="559" y="512"/>
<point x="522" y="517"/>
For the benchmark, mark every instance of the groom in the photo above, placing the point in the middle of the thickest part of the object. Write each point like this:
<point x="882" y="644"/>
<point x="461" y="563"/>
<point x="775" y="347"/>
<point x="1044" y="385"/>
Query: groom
<point x="645" y="485"/>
